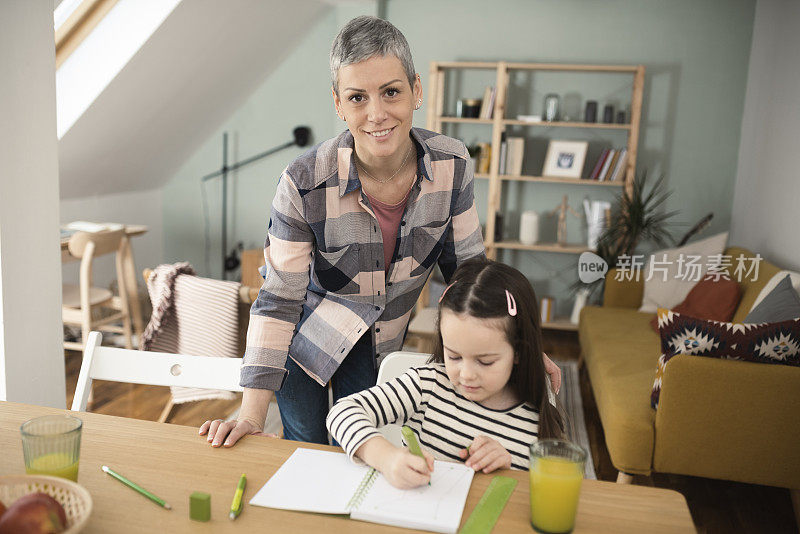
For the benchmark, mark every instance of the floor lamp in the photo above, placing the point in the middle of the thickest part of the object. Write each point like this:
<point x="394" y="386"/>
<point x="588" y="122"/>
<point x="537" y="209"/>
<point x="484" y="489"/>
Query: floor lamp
<point x="301" y="137"/>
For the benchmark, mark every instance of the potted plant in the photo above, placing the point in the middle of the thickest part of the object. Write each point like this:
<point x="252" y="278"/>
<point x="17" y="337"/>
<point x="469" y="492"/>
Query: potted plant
<point x="635" y="218"/>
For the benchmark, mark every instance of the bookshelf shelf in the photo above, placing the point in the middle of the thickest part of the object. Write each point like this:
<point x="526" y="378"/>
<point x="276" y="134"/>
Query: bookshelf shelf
<point x="491" y="65"/>
<point x="436" y="119"/>
<point x="543" y="247"/>
<point x="552" y="124"/>
<point x="630" y="69"/>
<point x="552" y="180"/>
<point x="571" y="124"/>
<point x="466" y="120"/>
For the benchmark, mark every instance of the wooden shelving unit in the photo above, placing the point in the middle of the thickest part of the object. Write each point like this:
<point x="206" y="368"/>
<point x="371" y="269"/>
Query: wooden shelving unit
<point x="436" y="118"/>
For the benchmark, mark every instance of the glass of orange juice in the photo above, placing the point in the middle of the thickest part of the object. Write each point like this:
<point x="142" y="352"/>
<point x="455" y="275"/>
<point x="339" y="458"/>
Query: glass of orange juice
<point x="52" y="446"/>
<point x="556" y="472"/>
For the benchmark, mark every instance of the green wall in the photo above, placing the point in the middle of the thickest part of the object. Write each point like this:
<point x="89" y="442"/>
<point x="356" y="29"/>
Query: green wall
<point x="696" y="54"/>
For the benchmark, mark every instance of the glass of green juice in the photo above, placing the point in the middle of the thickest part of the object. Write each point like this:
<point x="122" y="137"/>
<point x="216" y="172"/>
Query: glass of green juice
<point x="52" y="446"/>
<point x="556" y="473"/>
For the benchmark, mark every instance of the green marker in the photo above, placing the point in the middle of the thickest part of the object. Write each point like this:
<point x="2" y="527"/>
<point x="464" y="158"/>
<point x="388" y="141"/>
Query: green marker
<point x="236" y="505"/>
<point x="413" y="444"/>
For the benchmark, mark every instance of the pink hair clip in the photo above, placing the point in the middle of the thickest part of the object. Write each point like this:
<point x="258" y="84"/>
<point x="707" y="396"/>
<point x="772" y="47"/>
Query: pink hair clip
<point x="512" y="304"/>
<point x="445" y="292"/>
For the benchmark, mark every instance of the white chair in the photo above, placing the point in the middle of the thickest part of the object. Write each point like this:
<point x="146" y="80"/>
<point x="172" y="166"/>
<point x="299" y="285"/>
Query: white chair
<point x="394" y="365"/>
<point x="152" y="368"/>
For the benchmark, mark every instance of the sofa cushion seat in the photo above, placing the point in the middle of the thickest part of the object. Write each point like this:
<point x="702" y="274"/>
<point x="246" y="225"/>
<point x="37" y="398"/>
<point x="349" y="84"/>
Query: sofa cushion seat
<point x="622" y="382"/>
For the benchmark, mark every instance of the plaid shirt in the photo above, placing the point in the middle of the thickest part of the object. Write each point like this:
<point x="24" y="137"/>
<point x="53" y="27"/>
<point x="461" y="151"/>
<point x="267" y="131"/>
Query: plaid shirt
<point x="325" y="281"/>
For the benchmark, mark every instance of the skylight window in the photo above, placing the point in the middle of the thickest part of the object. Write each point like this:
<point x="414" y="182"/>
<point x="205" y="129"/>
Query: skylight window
<point x="63" y="11"/>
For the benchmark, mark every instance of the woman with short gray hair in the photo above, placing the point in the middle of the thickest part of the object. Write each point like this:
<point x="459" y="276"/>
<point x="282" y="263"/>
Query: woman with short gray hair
<point x="358" y="224"/>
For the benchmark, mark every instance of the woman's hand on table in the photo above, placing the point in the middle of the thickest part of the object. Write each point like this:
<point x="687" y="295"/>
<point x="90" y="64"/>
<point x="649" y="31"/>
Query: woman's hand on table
<point x="252" y="415"/>
<point x="227" y="433"/>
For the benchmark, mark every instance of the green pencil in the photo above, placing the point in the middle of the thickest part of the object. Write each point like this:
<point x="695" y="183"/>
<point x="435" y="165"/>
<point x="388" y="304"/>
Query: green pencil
<point x="413" y="444"/>
<point x="137" y="487"/>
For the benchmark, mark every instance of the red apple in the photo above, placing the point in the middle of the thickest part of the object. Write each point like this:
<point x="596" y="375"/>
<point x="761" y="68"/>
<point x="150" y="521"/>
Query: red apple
<point x="37" y="513"/>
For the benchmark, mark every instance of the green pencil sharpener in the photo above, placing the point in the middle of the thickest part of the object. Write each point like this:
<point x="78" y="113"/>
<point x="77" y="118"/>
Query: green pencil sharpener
<point x="200" y="506"/>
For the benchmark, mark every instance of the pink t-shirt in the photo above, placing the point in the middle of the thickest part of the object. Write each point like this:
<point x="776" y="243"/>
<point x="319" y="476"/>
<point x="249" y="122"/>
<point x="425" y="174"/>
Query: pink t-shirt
<point x="389" y="216"/>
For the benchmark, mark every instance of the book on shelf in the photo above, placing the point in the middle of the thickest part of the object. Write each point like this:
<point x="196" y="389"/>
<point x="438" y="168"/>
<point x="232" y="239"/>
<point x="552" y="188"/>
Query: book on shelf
<point x="619" y="170"/>
<point x="599" y="165"/>
<point x="485" y="103"/>
<point x="503" y="153"/>
<point x="485" y="158"/>
<point x="487" y="107"/>
<point x="612" y="153"/>
<point x="515" y="153"/>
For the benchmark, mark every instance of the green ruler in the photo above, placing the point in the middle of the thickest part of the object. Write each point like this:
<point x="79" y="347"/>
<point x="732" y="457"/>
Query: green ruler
<point x="489" y="508"/>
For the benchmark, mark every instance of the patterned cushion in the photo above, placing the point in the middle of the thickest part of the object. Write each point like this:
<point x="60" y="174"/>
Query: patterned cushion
<point x="765" y="342"/>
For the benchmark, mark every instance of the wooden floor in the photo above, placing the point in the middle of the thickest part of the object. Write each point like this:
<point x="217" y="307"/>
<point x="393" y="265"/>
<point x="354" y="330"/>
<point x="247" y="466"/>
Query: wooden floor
<point x="716" y="506"/>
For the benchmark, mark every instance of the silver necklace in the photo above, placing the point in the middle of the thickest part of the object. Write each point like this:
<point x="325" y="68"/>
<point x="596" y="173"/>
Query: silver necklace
<point x="389" y="179"/>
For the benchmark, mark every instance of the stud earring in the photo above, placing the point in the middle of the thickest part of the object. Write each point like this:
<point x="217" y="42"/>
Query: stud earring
<point x="419" y="103"/>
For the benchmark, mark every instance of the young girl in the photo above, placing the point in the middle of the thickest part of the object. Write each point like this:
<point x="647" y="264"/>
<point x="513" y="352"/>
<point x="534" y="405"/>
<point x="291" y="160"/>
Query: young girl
<point x="482" y="398"/>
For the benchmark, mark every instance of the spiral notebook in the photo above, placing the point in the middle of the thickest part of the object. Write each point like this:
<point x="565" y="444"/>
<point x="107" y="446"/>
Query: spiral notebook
<point x="329" y="483"/>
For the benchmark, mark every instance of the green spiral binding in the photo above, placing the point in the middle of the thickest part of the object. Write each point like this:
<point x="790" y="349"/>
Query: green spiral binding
<point x="362" y="490"/>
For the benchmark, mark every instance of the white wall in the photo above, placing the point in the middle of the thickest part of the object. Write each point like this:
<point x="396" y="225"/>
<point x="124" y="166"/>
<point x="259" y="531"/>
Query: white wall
<point x="31" y="356"/>
<point x="139" y="207"/>
<point x="767" y="191"/>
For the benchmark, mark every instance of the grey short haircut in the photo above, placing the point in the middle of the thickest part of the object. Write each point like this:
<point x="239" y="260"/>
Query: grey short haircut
<point x="365" y="37"/>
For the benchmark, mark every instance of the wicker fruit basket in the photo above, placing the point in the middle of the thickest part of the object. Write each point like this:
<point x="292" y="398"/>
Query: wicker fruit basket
<point x="74" y="498"/>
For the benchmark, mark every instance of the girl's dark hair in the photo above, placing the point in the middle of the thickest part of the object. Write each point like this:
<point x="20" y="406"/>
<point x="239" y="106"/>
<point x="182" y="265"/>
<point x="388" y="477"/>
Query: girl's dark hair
<point x="478" y="289"/>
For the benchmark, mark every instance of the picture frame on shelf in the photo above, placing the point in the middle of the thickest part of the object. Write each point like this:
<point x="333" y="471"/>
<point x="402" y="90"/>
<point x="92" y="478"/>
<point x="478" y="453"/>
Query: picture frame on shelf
<point x="565" y="159"/>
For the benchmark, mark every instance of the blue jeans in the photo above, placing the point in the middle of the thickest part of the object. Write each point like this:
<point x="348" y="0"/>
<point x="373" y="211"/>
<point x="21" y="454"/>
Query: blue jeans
<point x="303" y="402"/>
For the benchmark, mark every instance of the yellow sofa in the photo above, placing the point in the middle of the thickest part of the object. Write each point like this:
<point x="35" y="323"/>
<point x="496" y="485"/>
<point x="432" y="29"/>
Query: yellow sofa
<point x="716" y="418"/>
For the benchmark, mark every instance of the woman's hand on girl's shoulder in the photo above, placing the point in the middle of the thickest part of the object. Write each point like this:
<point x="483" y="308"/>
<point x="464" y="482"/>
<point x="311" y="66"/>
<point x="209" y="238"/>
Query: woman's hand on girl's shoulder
<point x="553" y="371"/>
<point x="230" y="431"/>
<point x="486" y="454"/>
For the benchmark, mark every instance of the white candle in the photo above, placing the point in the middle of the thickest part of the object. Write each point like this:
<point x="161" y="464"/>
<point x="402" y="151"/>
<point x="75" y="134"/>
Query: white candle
<point x="529" y="227"/>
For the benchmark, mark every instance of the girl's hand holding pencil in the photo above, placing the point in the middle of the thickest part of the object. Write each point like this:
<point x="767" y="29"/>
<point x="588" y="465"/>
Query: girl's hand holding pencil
<point x="402" y="468"/>
<point x="486" y="454"/>
<point x="405" y="470"/>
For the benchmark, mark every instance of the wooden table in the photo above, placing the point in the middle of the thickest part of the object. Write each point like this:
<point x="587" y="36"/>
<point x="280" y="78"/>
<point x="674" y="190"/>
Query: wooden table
<point x="129" y="270"/>
<point x="173" y="461"/>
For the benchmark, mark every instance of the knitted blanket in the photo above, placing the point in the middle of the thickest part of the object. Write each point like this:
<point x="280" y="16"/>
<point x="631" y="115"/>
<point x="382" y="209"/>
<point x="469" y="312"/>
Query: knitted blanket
<point x="192" y="315"/>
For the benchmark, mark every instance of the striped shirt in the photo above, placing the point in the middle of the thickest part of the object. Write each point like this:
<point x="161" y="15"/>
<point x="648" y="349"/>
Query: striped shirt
<point x="444" y="421"/>
<point x="325" y="277"/>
